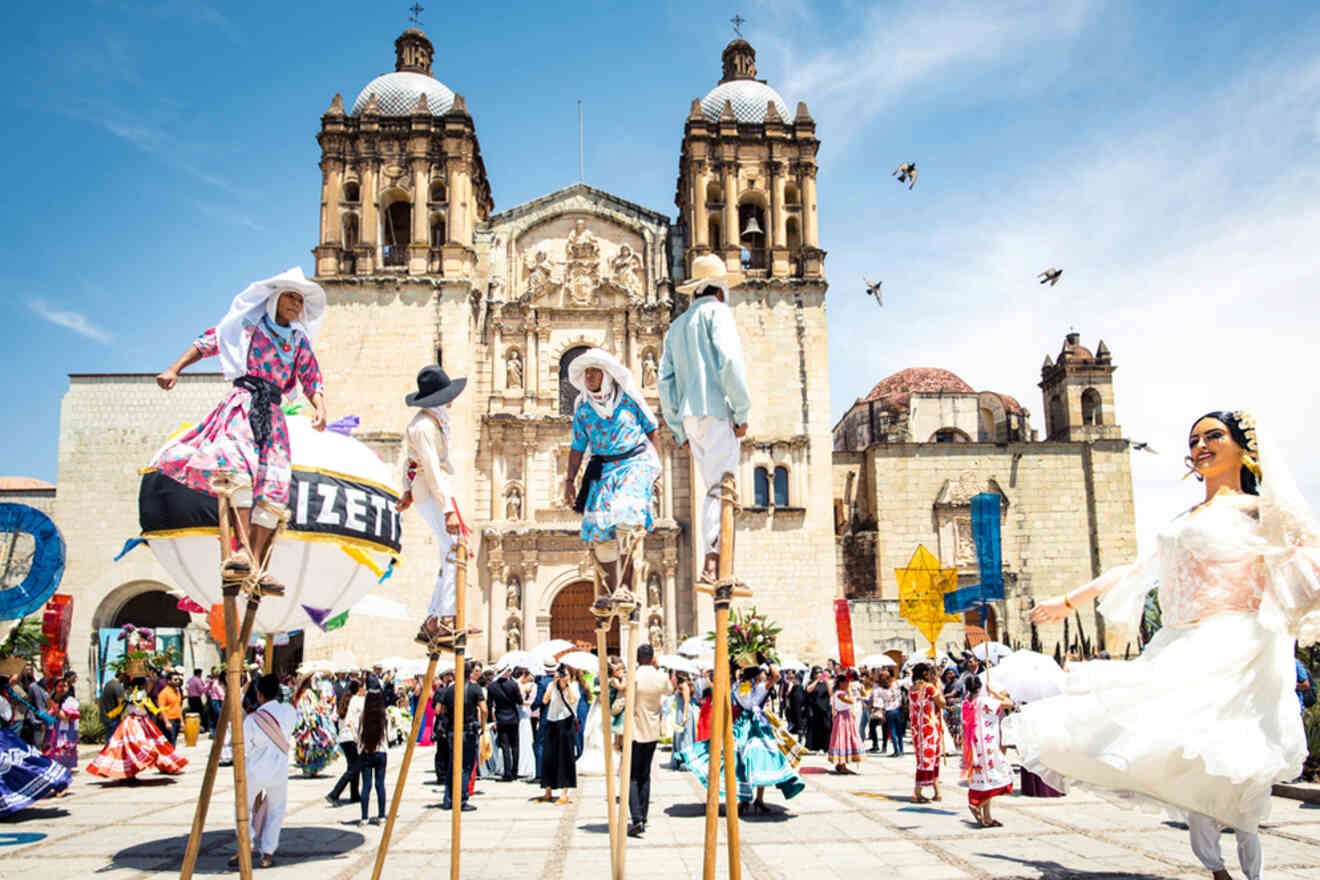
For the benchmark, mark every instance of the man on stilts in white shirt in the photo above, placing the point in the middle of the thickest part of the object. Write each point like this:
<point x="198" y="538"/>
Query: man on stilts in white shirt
<point x="427" y="476"/>
<point x="703" y="390"/>
<point x="268" y="735"/>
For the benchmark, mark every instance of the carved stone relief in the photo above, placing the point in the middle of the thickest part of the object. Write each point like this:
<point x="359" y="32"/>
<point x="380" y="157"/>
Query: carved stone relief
<point x="649" y="369"/>
<point x="513" y="503"/>
<point x="582" y="268"/>
<point x="626" y="271"/>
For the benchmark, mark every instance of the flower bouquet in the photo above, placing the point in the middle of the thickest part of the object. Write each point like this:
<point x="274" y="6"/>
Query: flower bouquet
<point x="751" y="638"/>
<point x="19" y="648"/>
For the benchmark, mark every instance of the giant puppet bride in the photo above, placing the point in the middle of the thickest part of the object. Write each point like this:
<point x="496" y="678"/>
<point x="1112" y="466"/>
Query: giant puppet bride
<point x="1206" y="720"/>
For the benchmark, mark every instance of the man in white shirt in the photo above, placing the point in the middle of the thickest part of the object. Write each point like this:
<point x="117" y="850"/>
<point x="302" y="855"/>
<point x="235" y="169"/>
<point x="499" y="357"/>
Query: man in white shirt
<point x="703" y="390"/>
<point x="652" y="685"/>
<point x="427" y="475"/>
<point x="268" y="735"/>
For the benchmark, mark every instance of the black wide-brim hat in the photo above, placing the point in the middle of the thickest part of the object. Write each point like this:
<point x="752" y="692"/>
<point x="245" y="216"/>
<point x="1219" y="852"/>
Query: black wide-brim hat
<point x="434" y="388"/>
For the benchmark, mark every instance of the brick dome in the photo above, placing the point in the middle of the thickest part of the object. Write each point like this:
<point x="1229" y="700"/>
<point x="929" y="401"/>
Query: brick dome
<point x="895" y="393"/>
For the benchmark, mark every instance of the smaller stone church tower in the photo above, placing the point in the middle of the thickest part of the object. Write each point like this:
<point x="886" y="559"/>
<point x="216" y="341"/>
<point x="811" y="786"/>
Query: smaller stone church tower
<point x="747" y="176"/>
<point x="402" y="181"/>
<point x="1078" y="388"/>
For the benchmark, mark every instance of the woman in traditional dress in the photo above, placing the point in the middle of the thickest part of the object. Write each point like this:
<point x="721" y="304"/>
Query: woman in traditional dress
<point x="685" y="721"/>
<point x="988" y="772"/>
<point x="558" y="760"/>
<point x="845" y="739"/>
<point x="526" y="753"/>
<point x="613" y="421"/>
<point x="265" y="349"/>
<point x="926" y="708"/>
<point x="62" y="744"/>
<point x="1238" y="579"/>
<point x="138" y="745"/>
<point x="26" y="775"/>
<point x="314" y="743"/>
<point x="1239" y="582"/>
<point x="766" y="755"/>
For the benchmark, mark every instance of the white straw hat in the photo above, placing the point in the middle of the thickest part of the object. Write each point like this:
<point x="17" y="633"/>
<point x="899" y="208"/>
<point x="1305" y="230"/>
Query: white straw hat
<point x="707" y="271"/>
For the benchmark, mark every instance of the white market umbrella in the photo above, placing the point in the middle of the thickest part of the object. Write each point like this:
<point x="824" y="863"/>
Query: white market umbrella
<point x="1027" y="676"/>
<point x="704" y="661"/>
<point x="551" y="649"/>
<point x="511" y="659"/>
<point x="342" y="537"/>
<point x="678" y="664"/>
<point x="344" y="661"/>
<point x="694" y="646"/>
<point x="875" y="661"/>
<point x="581" y="660"/>
<point x="991" y="652"/>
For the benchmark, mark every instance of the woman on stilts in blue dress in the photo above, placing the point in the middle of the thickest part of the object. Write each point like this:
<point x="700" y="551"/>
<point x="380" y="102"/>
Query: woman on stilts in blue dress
<point x="612" y="421"/>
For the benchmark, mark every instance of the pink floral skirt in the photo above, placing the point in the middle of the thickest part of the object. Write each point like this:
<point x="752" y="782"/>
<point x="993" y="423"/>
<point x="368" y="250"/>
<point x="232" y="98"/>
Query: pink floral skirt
<point x="845" y="739"/>
<point x="224" y="442"/>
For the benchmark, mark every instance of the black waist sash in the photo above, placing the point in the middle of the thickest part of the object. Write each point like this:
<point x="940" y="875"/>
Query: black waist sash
<point x="265" y="394"/>
<point x="595" y="468"/>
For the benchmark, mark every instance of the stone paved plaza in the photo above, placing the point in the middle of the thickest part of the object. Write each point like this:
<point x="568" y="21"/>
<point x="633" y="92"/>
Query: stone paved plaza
<point x="840" y="827"/>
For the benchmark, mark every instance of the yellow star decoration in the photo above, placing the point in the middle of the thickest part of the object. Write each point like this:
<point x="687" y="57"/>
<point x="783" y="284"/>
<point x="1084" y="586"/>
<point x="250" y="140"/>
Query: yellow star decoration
<point x="921" y="589"/>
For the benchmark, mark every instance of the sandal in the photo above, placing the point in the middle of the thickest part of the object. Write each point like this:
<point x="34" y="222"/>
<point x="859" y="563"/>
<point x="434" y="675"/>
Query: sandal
<point x="267" y="861"/>
<point x="238" y="564"/>
<point x="920" y="799"/>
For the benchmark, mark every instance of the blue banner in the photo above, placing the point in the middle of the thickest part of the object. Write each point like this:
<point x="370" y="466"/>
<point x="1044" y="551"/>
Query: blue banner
<point x="989" y="557"/>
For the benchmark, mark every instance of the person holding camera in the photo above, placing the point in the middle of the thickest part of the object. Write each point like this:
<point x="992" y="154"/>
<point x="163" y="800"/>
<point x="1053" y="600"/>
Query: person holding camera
<point x="474" y="721"/>
<point x="559" y="717"/>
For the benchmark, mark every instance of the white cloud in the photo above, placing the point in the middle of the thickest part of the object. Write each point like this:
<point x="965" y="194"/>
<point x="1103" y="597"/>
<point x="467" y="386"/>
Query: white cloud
<point x="70" y="320"/>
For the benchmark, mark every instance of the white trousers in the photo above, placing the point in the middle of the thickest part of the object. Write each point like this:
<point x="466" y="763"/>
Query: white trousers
<point x="444" y="597"/>
<point x="266" y="839"/>
<point x="716" y="452"/>
<point x="1205" y="843"/>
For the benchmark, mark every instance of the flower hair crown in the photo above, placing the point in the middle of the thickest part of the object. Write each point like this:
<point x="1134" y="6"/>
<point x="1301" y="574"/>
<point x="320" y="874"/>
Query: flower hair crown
<point x="1248" y="424"/>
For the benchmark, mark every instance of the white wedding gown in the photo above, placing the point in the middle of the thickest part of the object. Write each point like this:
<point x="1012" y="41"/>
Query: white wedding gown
<point x="592" y="760"/>
<point x="1206" y="720"/>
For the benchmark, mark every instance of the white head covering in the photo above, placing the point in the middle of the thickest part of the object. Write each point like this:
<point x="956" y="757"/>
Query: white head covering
<point x="618" y="381"/>
<point x="256" y="302"/>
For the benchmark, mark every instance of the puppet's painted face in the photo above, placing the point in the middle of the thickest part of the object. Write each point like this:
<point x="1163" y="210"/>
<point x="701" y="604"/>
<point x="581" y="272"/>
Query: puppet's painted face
<point x="1212" y="448"/>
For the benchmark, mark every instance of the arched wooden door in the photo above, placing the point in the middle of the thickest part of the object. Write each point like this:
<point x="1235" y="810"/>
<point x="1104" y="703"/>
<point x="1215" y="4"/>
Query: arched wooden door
<point x="972" y="622"/>
<point x="571" y="617"/>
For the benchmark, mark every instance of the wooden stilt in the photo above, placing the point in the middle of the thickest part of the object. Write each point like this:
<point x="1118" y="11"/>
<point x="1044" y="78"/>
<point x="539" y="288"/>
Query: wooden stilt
<point x="403" y="768"/>
<point x="721" y="728"/>
<point x="607" y="736"/>
<point x="234" y="650"/>
<point x="268" y="659"/>
<point x="625" y="761"/>
<point x="456" y="769"/>
<point x="213" y="761"/>
<point x="458" y="782"/>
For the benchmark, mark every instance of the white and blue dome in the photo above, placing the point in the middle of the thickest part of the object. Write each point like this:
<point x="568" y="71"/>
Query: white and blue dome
<point x="397" y="93"/>
<point x="749" y="98"/>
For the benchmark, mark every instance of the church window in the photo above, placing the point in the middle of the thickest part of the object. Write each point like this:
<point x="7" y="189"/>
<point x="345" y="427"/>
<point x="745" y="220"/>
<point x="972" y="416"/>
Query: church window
<point x="781" y="486"/>
<point x="350" y="226"/>
<point x="792" y="196"/>
<point x="398" y="222"/>
<point x="714" y="194"/>
<point x="987" y="420"/>
<point x="751" y="235"/>
<point x="1091" y="407"/>
<point x="1058" y="421"/>
<point x="950" y="435"/>
<point x="437" y="230"/>
<point x="714" y="233"/>
<point x="351" y="191"/>
<point x="438" y="191"/>
<point x="793" y="232"/>
<point x="567" y="393"/>
<point x="761" y="487"/>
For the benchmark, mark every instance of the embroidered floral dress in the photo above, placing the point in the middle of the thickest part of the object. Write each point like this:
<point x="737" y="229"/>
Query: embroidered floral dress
<point x="137" y="744"/>
<point x="765" y="752"/>
<point x="62" y="744"/>
<point x="987" y="771"/>
<point x="927" y="732"/>
<point x="622" y="495"/>
<point x="313" y="736"/>
<point x="224" y="441"/>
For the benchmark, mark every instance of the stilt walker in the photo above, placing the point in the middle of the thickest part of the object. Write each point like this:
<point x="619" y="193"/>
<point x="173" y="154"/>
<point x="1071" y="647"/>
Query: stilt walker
<point x="614" y="423"/>
<point x="706" y="404"/>
<point x="603" y="624"/>
<point x="458" y="643"/>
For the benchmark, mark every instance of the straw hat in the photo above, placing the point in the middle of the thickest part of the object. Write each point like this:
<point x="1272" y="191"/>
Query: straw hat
<point x="707" y="271"/>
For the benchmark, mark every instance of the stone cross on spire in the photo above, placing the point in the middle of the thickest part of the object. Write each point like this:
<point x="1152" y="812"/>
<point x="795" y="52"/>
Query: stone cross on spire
<point x="738" y="21"/>
<point x="416" y="17"/>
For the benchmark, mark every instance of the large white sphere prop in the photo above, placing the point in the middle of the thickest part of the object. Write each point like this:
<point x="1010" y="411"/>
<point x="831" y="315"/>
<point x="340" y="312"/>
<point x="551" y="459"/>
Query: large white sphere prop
<point x="342" y="535"/>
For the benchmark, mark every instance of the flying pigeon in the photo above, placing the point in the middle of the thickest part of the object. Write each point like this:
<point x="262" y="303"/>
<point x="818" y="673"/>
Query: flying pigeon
<point x="907" y="173"/>
<point x="1050" y="276"/>
<point x="874" y="290"/>
<point x="1146" y="447"/>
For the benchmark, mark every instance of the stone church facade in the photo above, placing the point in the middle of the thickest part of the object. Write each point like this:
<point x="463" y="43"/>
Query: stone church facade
<point x="419" y="268"/>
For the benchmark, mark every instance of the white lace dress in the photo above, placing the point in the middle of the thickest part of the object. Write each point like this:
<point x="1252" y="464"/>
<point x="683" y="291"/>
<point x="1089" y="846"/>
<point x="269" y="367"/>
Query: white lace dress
<point x="1206" y="719"/>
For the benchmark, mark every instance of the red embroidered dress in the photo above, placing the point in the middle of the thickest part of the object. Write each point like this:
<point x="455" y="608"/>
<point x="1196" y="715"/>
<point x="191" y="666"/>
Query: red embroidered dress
<point x="927" y="732"/>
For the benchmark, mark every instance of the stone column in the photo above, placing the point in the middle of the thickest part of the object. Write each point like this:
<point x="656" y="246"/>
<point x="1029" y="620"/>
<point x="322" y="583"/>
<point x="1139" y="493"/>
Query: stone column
<point x="369" y="234"/>
<point x="811" y="234"/>
<point x="700" y="225"/>
<point x="421" y="212"/>
<point x="330" y="183"/>
<point x="667" y="480"/>
<point x="529" y="456"/>
<point x="531" y="599"/>
<point x="500" y="378"/>
<point x="495" y="606"/>
<point x="531" y="362"/>
<point x="498" y="470"/>
<point x="454" y="224"/>
<point x="778" y="219"/>
<point x="730" y="207"/>
<point x="669" y="574"/>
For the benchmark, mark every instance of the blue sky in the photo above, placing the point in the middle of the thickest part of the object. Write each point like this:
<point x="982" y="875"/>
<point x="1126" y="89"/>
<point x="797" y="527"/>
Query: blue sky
<point x="164" y="155"/>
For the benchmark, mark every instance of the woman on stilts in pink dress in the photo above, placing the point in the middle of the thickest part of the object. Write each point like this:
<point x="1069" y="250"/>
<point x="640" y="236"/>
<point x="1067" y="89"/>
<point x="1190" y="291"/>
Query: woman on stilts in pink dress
<point x="265" y="348"/>
<point x="1239" y="583"/>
